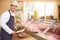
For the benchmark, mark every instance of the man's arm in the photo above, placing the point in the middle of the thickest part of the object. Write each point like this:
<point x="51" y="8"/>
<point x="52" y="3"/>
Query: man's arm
<point x="4" y="19"/>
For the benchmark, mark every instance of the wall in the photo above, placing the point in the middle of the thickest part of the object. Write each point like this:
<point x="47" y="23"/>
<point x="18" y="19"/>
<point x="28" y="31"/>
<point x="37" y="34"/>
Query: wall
<point x="56" y="10"/>
<point x="4" y="5"/>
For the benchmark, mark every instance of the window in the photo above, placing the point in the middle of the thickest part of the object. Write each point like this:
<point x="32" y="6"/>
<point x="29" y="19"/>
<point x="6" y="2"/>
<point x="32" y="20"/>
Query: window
<point x="49" y="8"/>
<point x="43" y="8"/>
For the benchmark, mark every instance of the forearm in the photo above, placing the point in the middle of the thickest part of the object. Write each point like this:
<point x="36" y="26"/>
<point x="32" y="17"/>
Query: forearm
<point x="6" y="28"/>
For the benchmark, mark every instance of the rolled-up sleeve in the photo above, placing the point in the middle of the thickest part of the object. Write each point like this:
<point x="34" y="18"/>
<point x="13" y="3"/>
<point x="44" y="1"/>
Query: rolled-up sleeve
<point x="4" y="19"/>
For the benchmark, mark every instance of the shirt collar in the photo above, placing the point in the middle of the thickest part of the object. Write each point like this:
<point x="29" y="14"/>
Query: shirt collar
<point x="13" y="14"/>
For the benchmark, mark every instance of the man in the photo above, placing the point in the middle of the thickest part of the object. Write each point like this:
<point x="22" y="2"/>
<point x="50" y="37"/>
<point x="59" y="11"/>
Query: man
<point x="7" y="22"/>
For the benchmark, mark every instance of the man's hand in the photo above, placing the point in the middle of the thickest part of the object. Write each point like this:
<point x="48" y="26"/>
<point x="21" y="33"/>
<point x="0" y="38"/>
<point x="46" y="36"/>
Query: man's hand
<point x="13" y="32"/>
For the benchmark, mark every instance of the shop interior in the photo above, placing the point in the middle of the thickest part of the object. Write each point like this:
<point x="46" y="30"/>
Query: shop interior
<point x="35" y="19"/>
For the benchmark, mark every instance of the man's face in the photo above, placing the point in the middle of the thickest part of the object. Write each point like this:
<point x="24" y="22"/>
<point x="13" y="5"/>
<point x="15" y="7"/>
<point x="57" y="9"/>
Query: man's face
<point x="13" y="7"/>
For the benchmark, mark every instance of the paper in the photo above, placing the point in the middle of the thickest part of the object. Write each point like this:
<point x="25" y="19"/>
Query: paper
<point x="20" y="31"/>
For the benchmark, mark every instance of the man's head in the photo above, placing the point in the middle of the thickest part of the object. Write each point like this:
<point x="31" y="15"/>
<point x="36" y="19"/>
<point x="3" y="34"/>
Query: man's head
<point x="13" y="5"/>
